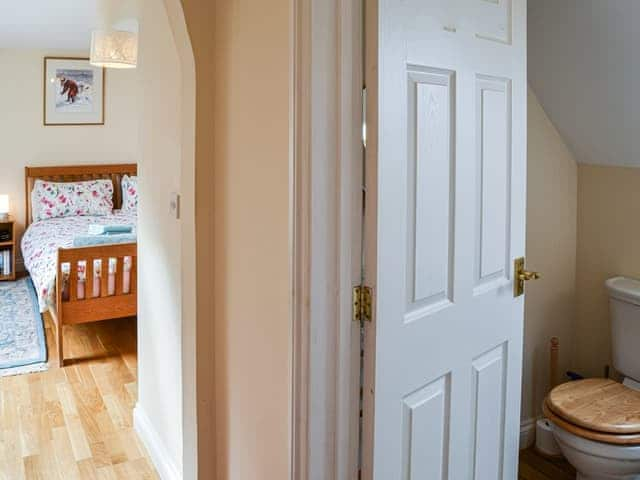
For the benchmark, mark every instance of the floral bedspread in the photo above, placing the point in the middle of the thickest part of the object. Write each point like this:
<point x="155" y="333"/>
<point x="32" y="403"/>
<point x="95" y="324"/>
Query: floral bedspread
<point x="42" y="239"/>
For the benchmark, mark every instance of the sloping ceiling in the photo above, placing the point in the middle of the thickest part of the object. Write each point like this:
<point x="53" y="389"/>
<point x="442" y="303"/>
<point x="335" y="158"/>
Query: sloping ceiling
<point x="584" y="66"/>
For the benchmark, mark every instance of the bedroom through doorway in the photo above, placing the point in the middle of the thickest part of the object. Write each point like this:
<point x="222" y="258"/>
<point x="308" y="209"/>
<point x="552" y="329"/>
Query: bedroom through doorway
<point x="90" y="241"/>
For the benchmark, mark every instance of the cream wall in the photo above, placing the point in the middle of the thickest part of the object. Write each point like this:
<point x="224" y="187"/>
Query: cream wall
<point x="551" y="249"/>
<point x="159" y="412"/>
<point x="25" y="141"/>
<point x="195" y="415"/>
<point x="241" y="211"/>
<point x="195" y="19"/>
<point x="608" y="232"/>
<point x="582" y="227"/>
<point x="250" y="184"/>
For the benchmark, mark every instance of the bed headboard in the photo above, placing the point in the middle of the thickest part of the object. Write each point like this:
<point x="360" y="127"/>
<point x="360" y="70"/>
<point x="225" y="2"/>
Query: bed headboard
<point x="77" y="173"/>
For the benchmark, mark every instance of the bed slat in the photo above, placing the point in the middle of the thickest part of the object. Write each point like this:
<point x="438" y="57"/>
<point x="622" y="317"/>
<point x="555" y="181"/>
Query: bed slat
<point x="104" y="277"/>
<point x="134" y="275"/>
<point x="73" y="282"/>
<point x="89" y="282"/>
<point x="119" y="274"/>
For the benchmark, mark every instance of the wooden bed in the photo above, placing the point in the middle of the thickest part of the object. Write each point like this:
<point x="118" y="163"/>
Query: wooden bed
<point x="71" y="310"/>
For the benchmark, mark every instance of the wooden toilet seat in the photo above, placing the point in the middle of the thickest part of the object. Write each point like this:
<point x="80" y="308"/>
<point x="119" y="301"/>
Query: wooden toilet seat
<point x="596" y="409"/>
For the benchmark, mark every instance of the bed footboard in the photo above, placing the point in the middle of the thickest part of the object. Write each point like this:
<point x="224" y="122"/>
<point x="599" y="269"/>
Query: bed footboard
<point x="93" y="284"/>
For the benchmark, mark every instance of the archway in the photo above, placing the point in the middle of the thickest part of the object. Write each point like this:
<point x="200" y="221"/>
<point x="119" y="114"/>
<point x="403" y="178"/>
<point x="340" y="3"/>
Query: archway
<point x="166" y="416"/>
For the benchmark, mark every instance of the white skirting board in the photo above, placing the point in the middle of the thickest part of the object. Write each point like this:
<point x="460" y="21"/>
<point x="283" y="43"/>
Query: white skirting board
<point x="160" y="458"/>
<point x="527" y="433"/>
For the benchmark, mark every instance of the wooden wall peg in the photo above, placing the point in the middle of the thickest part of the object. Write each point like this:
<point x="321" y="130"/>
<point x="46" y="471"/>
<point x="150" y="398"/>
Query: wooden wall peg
<point x="553" y="362"/>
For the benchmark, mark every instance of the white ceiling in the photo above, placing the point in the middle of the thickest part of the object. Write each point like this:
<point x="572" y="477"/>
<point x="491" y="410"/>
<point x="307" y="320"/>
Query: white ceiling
<point x="47" y="24"/>
<point x="584" y="66"/>
<point x="61" y="24"/>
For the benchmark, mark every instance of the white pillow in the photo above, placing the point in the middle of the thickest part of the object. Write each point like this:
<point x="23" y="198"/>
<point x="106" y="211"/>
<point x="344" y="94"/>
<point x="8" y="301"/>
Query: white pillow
<point x="130" y="194"/>
<point x="67" y="199"/>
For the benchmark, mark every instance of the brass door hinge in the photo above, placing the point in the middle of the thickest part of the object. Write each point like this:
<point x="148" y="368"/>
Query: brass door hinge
<point x="362" y="301"/>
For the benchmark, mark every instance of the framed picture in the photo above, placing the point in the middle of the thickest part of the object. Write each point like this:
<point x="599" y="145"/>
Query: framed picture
<point x="73" y="92"/>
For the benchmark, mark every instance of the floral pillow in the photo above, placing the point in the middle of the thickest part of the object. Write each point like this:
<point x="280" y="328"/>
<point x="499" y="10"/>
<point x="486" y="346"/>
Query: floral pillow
<point x="51" y="199"/>
<point x="130" y="194"/>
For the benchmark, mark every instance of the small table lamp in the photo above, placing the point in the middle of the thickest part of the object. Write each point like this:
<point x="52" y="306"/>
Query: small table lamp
<point x="4" y="207"/>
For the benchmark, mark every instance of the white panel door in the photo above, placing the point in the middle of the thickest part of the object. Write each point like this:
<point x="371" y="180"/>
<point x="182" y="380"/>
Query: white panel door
<point x="445" y="220"/>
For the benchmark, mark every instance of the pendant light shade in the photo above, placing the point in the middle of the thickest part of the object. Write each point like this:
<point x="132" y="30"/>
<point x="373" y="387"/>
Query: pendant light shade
<point x="114" y="49"/>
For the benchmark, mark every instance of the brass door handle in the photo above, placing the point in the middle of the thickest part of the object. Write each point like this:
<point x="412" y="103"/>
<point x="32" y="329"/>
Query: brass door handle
<point x="520" y="275"/>
<point x="525" y="276"/>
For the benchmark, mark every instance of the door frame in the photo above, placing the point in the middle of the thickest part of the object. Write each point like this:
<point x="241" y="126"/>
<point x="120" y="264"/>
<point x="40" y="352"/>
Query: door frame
<point x="326" y="192"/>
<point x="328" y="41"/>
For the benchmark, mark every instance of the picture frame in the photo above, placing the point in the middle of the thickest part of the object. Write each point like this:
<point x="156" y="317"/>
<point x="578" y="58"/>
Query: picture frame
<point x="73" y="92"/>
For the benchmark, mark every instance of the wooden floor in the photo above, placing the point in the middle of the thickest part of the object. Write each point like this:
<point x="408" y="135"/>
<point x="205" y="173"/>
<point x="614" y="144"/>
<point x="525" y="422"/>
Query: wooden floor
<point x="536" y="467"/>
<point x="76" y="422"/>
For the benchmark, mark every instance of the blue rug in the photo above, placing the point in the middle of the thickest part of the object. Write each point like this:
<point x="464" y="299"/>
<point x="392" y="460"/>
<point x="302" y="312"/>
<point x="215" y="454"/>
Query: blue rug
<point x="22" y="343"/>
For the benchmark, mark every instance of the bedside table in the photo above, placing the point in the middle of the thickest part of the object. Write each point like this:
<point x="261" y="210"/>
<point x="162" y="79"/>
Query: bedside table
<point x="8" y="225"/>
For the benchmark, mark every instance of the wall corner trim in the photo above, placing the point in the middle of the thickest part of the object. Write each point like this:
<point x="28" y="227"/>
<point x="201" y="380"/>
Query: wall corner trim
<point x="160" y="457"/>
<point x="527" y="433"/>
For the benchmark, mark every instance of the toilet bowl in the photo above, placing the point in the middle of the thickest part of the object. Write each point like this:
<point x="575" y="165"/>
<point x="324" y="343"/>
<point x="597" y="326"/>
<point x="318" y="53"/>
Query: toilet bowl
<point x="597" y="421"/>
<point x="600" y="461"/>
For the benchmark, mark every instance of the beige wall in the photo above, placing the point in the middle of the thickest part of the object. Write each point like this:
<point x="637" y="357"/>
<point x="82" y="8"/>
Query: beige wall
<point x="251" y="243"/>
<point x="608" y="232"/>
<point x="242" y="162"/>
<point x="582" y="228"/>
<point x="199" y="16"/>
<point x="159" y="412"/>
<point x="192" y="419"/>
<point x="551" y="249"/>
<point x="25" y="141"/>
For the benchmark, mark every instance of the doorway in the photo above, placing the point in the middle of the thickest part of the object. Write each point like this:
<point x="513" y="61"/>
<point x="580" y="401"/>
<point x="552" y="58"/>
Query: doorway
<point x="467" y="262"/>
<point x="117" y="372"/>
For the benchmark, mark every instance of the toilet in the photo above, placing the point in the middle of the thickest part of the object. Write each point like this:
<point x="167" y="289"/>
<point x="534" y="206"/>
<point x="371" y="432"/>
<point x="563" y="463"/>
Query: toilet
<point x="596" y="421"/>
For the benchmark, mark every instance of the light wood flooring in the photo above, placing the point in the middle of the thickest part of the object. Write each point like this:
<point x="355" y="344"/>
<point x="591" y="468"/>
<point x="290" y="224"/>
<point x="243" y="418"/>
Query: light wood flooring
<point x="76" y="422"/>
<point x="534" y="466"/>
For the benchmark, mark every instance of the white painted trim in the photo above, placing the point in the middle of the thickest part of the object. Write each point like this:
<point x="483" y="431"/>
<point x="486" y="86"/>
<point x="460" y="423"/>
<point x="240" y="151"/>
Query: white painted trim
<point x="350" y="187"/>
<point x="158" y="452"/>
<point x="527" y="433"/>
<point x="327" y="176"/>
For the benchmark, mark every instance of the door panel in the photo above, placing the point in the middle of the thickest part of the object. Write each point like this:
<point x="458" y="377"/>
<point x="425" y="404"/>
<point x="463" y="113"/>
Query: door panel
<point x="426" y="431"/>
<point x="444" y="221"/>
<point x="488" y="390"/>
<point x="493" y="135"/>
<point x="431" y="188"/>
<point x="494" y="20"/>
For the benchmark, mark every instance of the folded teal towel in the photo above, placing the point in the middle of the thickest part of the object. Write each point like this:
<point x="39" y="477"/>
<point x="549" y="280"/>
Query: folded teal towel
<point x="92" y="240"/>
<point x="109" y="229"/>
